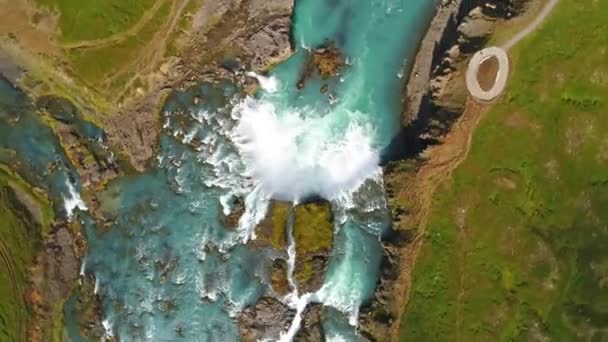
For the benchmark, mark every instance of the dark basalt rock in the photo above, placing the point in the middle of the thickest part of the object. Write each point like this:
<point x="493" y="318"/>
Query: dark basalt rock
<point x="231" y="220"/>
<point x="88" y="309"/>
<point x="311" y="328"/>
<point x="60" y="108"/>
<point x="266" y="319"/>
<point x="278" y="277"/>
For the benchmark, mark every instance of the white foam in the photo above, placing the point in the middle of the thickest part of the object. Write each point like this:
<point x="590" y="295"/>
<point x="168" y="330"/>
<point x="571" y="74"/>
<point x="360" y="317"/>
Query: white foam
<point x="300" y="304"/>
<point x="335" y="338"/>
<point x="269" y="84"/>
<point x="72" y="201"/>
<point x="293" y="154"/>
<point x="96" y="288"/>
<point x="107" y="327"/>
<point x="83" y="267"/>
<point x="291" y="255"/>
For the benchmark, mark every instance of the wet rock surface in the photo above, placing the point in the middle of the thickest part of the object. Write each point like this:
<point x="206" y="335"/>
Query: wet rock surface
<point x="82" y="142"/>
<point x="266" y="319"/>
<point x="89" y="311"/>
<point x="272" y="231"/>
<point x="311" y="328"/>
<point x="231" y="221"/>
<point x="279" y="278"/>
<point x="59" y="108"/>
<point x="326" y="60"/>
<point x="92" y="162"/>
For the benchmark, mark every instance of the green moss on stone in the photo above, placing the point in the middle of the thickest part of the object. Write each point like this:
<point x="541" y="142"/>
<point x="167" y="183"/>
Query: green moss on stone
<point x="272" y="230"/>
<point x="313" y="235"/>
<point x="313" y="228"/>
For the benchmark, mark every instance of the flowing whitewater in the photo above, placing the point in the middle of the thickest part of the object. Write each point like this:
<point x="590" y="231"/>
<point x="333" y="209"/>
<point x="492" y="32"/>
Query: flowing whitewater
<point x="301" y="153"/>
<point x="165" y="265"/>
<point x="169" y="265"/>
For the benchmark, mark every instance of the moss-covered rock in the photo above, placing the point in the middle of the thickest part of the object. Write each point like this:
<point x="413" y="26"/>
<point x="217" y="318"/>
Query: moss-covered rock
<point x="271" y="232"/>
<point x="313" y="235"/>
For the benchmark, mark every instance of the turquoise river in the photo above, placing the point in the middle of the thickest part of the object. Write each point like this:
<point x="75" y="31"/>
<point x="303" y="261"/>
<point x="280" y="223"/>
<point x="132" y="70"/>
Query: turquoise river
<point x="286" y="143"/>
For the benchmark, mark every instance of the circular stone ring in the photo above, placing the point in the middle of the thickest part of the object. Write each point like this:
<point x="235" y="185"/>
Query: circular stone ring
<point x="501" y="74"/>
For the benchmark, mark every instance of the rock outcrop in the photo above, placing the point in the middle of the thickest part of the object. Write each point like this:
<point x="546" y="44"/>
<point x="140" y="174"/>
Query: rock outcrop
<point x="89" y="311"/>
<point x="51" y="280"/>
<point x="326" y="60"/>
<point x="279" y="277"/>
<point x="231" y="220"/>
<point x="272" y="231"/>
<point x="311" y="327"/>
<point x="313" y="236"/>
<point x="255" y="34"/>
<point x="266" y="319"/>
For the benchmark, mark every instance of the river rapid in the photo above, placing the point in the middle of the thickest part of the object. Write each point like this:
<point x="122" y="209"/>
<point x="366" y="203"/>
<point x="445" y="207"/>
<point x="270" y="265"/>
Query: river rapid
<point x="166" y="263"/>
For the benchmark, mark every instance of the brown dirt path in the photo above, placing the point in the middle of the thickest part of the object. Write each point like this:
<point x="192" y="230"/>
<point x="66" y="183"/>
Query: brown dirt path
<point x="441" y="161"/>
<point x="544" y="13"/>
<point x="151" y="54"/>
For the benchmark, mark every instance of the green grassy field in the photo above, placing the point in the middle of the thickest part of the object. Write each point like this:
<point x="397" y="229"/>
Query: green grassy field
<point x="20" y="238"/>
<point x="96" y="63"/>
<point x="94" y="19"/>
<point x="516" y="248"/>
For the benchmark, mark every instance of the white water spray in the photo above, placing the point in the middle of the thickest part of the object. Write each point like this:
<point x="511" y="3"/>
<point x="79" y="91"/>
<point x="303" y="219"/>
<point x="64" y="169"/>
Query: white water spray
<point x="72" y="201"/>
<point x="291" y="255"/>
<point x="293" y="154"/>
<point x="269" y="84"/>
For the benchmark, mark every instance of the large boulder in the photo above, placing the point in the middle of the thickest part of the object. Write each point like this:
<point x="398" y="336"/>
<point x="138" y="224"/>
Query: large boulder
<point x="311" y="328"/>
<point x="272" y="231"/>
<point x="313" y="234"/>
<point x="266" y="319"/>
<point x="278" y="277"/>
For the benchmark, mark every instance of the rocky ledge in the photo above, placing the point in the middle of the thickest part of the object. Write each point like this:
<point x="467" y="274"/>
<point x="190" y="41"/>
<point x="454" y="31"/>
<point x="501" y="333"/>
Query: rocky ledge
<point x="326" y="60"/>
<point x="265" y="320"/>
<point x="245" y="34"/>
<point x="313" y="236"/>
<point x="433" y="100"/>
<point x="312" y="231"/>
